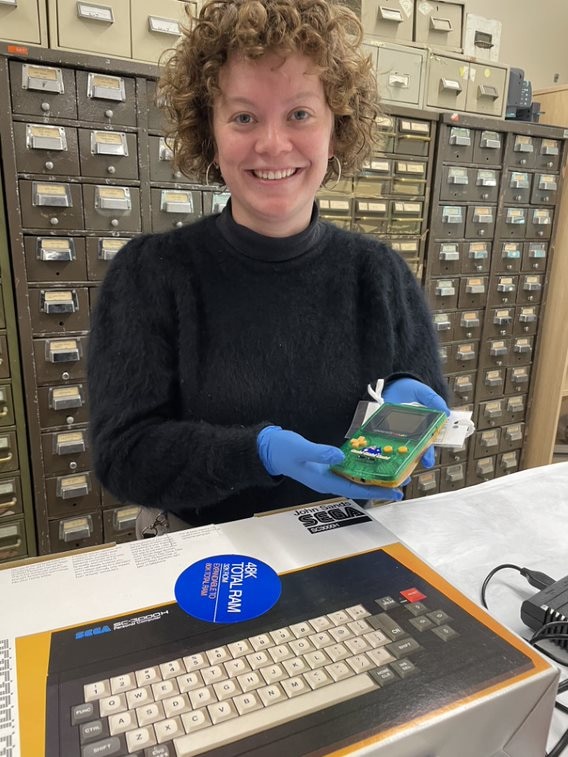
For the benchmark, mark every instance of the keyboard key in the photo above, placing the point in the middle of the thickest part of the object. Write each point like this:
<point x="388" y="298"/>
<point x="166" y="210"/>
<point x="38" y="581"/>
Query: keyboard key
<point x="416" y="608"/>
<point x="202" y="697"/>
<point x="148" y="675"/>
<point x="295" y="686"/>
<point x="170" y="669"/>
<point x="236" y="667"/>
<point x="110" y="747"/>
<point x="112" y="705"/>
<point x="159" y="750"/>
<point x="164" y="689"/>
<point x="190" y="681"/>
<point x="404" y="647"/>
<point x="250" y="681"/>
<point x="384" y="676"/>
<point x="317" y="678"/>
<point x="339" y="618"/>
<point x="301" y="629"/>
<point x="321" y="639"/>
<point x="376" y="639"/>
<point x="247" y="703"/>
<point x="295" y="666"/>
<point x="339" y="670"/>
<point x="196" y="720"/>
<point x="404" y="668"/>
<point x="386" y="603"/>
<point x="273" y="673"/>
<point x="195" y="662"/>
<point x="138" y="697"/>
<point x="446" y="633"/>
<point x="360" y="663"/>
<point x="213" y="674"/>
<point x="240" y="648"/>
<point x="258" y="660"/>
<point x="357" y="612"/>
<point x="124" y="721"/>
<point x="338" y="652"/>
<point x="97" y="690"/>
<point x="226" y="689"/>
<point x="282" y="635"/>
<point x="439" y="617"/>
<point x="176" y="705"/>
<point x="321" y="623"/>
<point x="317" y="659"/>
<point x="340" y="633"/>
<point x="169" y="729"/>
<point x="359" y="627"/>
<point x="261" y="641"/>
<point x="140" y="739"/>
<point x="301" y="646"/>
<point x="356" y="645"/>
<point x="122" y="683"/>
<point x="222" y="711"/>
<point x="271" y="694"/>
<point x="83" y="713"/>
<point x="281" y="652"/>
<point x="390" y="627"/>
<point x="149" y="713"/>
<point x="218" y="655"/>
<point x="421" y="623"/>
<point x="380" y="656"/>
<point x="92" y="731"/>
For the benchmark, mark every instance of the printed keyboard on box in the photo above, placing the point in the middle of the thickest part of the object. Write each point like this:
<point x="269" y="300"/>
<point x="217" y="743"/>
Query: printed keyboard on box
<point x="178" y="687"/>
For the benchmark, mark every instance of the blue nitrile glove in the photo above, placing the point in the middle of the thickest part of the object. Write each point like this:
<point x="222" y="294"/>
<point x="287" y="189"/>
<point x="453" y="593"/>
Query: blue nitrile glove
<point x="285" y="453"/>
<point x="406" y="390"/>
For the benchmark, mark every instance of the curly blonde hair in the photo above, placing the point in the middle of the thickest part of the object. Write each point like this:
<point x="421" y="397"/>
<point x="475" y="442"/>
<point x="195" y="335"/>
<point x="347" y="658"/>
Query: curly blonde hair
<point x="327" y="32"/>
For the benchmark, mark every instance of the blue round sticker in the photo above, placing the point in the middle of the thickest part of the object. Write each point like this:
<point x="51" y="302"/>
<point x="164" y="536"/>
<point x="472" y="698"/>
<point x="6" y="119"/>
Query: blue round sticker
<point x="227" y="589"/>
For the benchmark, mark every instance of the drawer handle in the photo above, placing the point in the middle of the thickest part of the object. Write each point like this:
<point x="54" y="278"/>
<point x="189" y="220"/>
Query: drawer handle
<point x="4" y="411"/>
<point x="6" y="458"/>
<point x="9" y="505"/>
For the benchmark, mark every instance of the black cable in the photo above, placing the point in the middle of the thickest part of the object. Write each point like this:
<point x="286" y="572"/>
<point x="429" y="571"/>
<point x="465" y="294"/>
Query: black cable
<point x="490" y="576"/>
<point x="560" y="746"/>
<point x="535" y="578"/>
<point x="540" y="581"/>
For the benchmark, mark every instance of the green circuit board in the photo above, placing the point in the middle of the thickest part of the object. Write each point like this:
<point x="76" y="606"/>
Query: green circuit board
<point x="387" y="447"/>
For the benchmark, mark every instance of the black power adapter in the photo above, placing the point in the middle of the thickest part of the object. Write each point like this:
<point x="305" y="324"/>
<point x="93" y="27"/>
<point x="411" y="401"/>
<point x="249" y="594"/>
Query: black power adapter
<point x="549" y="606"/>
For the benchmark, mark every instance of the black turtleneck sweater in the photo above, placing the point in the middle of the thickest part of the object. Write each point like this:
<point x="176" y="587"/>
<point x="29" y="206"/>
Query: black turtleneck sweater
<point x="204" y="335"/>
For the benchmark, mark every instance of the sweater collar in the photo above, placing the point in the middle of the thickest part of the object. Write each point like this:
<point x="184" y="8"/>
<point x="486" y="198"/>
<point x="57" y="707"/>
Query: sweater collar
<point x="272" y="249"/>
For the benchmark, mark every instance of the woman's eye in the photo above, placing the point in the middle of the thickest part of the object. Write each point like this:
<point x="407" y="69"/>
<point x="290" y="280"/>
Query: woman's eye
<point x="243" y="118"/>
<point x="300" y="115"/>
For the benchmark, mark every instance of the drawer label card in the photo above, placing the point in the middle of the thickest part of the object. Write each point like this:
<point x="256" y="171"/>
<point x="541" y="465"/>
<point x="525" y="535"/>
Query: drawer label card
<point x="95" y="12"/>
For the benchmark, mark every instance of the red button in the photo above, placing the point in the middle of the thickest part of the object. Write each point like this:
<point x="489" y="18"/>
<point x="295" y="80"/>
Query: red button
<point x="413" y="595"/>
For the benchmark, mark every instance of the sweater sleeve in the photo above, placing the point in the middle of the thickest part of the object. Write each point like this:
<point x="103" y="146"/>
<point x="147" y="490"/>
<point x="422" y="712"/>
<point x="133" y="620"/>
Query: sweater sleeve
<point x="416" y="345"/>
<point x="143" y="450"/>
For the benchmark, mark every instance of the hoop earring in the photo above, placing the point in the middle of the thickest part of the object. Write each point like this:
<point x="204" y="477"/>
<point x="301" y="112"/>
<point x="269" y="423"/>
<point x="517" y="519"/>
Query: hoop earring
<point x="338" y="171"/>
<point x="207" y="182"/>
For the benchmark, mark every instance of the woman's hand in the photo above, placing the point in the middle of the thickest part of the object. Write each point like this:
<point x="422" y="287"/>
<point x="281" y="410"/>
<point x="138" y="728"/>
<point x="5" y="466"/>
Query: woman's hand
<point x="407" y="390"/>
<point x="285" y="453"/>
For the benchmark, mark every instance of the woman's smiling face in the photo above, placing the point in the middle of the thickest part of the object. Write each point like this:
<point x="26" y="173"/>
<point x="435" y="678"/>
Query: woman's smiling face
<point x="273" y="134"/>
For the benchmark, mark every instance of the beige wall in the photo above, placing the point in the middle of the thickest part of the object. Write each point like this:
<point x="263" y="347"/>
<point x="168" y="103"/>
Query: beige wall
<point x="533" y="37"/>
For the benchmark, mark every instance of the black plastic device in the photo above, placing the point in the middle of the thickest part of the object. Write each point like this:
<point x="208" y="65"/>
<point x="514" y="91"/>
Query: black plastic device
<point x="548" y="606"/>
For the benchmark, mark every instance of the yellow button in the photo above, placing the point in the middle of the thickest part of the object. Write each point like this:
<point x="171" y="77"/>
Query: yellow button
<point x="358" y="443"/>
<point x="403" y="450"/>
<point x="388" y="449"/>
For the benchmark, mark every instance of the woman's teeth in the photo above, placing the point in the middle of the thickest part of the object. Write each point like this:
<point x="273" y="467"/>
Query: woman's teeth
<point x="271" y="175"/>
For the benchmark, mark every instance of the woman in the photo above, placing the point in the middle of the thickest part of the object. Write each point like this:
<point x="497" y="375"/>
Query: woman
<point x="227" y="356"/>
